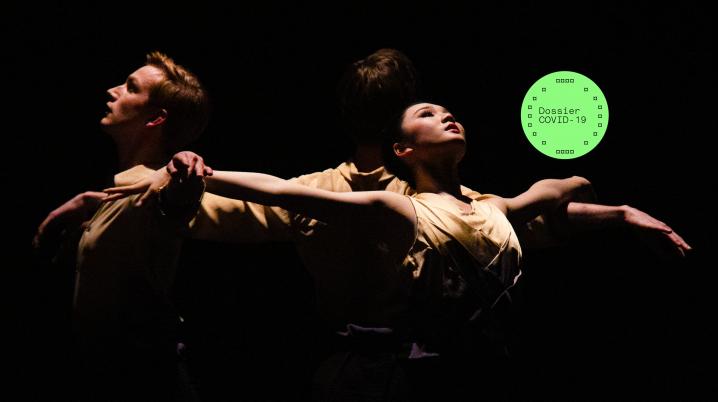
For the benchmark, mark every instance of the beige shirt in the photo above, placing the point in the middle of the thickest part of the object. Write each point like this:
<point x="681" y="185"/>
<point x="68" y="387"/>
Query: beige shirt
<point x="355" y="282"/>
<point x="482" y="240"/>
<point x="462" y="263"/>
<point x="126" y="263"/>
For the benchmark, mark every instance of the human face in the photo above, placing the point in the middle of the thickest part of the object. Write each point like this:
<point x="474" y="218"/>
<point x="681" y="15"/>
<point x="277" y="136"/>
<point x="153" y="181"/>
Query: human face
<point x="429" y="128"/>
<point x="129" y="107"/>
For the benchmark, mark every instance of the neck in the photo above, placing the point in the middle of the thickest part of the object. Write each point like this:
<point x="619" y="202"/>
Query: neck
<point x="438" y="179"/>
<point x="150" y="155"/>
<point x="367" y="157"/>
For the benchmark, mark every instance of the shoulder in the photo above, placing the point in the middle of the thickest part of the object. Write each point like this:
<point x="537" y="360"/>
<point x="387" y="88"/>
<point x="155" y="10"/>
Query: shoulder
<point x="475" y="195"/>
<point x="499" y="202"/>
<point x="325" y="179"/>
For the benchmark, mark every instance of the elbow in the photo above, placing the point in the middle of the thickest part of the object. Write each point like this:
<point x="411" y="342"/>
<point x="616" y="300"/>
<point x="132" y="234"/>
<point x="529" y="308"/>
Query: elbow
<point x="582" y="190"/>
<point x="377" y="203"/>
<point x="383" y="207"/>
<point x="581" y="182"/>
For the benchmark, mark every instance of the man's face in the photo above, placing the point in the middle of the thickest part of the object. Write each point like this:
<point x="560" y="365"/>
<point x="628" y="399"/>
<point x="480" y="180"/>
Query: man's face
<point x="128" y="107"/>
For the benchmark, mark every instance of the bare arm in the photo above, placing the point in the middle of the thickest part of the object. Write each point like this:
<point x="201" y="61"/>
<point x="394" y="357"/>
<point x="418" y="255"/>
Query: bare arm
<point x="558" y="201"/>
<point x="543" y="198"/>
<point x="656" y="234"/>
<point x="378" y="214"/>
<point x="69" y="215"/>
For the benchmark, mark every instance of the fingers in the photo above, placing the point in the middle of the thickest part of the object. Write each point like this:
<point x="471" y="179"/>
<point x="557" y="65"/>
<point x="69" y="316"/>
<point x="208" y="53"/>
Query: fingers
<point x="187" y="164"/>
<point x="663" y="227"/>
<point x="202" y="170"/>
<point x="36" y="243"/>
<point x="680" y="243"/>
<point x="113" y="197"/>
<point x="96" y="195"/>
<point x="145" y="197"/>
<point x="658" y="225"/>
<point x="193" y="165"/>
<point x="116" y="193"/>
<point x="127" y="190"/>
<point x="683" y="242"/>
<point x="183" y="164"/>
<point x="171" y="168"/>
<point x="199" y="167"/>
<point x="136" y="188"/>
<point x="37" y="240"/>
<point x="672" y="245"/>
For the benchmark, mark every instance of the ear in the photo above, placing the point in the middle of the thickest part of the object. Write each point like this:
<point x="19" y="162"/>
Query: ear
<point x="402" y="150"/>
<point x="157" y="119"/>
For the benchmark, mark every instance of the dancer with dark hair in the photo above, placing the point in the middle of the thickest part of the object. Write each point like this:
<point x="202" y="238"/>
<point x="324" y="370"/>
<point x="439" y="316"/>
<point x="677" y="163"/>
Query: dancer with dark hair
<point x="445" y="260"/>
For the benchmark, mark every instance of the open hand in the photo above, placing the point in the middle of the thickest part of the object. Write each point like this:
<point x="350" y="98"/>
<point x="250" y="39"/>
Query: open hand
<point x="150" y="186"/>
<point x="656" y="234"/>
<point x="69" y="215"/>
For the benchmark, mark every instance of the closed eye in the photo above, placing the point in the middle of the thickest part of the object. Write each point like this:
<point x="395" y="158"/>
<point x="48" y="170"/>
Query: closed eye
<point x="131" y="85"/>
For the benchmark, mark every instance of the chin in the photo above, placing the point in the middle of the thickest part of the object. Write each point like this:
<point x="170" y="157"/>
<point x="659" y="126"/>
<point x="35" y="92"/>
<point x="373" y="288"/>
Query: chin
<point x="106" y="127"/>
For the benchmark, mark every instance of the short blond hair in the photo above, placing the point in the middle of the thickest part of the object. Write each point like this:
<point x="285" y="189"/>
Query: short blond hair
<point x="184" y="98"/>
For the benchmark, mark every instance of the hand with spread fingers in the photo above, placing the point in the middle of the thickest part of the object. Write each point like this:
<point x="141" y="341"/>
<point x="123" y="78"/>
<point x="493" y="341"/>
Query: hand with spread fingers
<point x="69" y="215"/>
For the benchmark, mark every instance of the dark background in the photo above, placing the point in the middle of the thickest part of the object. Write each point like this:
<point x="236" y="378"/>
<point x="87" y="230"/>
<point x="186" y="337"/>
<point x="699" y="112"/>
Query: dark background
<point x="602" y="319"/>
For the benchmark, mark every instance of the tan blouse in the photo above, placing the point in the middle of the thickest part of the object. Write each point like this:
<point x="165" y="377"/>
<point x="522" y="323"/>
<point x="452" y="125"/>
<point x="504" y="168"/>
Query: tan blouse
<point x="354" y="280"/>
<point x="463" y="263"/>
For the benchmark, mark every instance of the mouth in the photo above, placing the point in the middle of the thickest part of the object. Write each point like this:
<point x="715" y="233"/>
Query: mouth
<point x="452" y="127"/>
<point x="109" y="109"/>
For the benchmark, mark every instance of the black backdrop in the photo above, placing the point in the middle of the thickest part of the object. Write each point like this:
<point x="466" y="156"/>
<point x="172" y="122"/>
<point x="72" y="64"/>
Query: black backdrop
<point x="603" y="319"/>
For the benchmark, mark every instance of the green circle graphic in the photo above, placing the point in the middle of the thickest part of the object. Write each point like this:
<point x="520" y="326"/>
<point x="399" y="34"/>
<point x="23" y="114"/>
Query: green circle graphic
<point x="564" y="115"/>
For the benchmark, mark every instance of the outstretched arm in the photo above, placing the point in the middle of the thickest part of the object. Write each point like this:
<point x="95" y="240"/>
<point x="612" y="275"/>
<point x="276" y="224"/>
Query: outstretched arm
<point x="544" y="197"/>
<point x="69" y="215"/>
<point x="656" y="234"/>
<point x="559" y="200"/>
<point x="378" y="214"/>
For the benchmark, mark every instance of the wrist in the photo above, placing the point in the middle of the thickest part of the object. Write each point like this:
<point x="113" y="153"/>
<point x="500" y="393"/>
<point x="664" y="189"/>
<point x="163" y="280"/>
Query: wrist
<point x="623" y="212"/>
<point x="176" y="200"/>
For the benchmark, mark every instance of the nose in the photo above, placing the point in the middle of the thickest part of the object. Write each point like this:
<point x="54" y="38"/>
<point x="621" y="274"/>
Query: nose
<point x="448" y="117"/>
<point x="114" y="92"/>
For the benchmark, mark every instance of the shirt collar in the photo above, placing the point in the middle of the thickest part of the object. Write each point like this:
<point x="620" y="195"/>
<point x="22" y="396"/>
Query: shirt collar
<point x="354" y="177"/>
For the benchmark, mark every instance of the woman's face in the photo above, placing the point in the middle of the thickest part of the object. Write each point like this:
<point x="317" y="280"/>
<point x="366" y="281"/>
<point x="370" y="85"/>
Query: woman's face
<point x="430" y="128"/>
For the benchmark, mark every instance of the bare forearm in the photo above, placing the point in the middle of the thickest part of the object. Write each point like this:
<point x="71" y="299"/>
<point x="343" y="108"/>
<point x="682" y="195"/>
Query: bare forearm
<point x="546" y="196"/>
<point x="269" y="190"/>
<point x="253" y="187"/>
<point x="377" y="214"/>
<point x="590" y="216"/>
<point x="658" y="235"/>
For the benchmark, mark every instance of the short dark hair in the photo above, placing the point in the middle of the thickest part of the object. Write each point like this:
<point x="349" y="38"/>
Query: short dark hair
<point x="373" y="90"/>
<point x="184" y="98"/>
